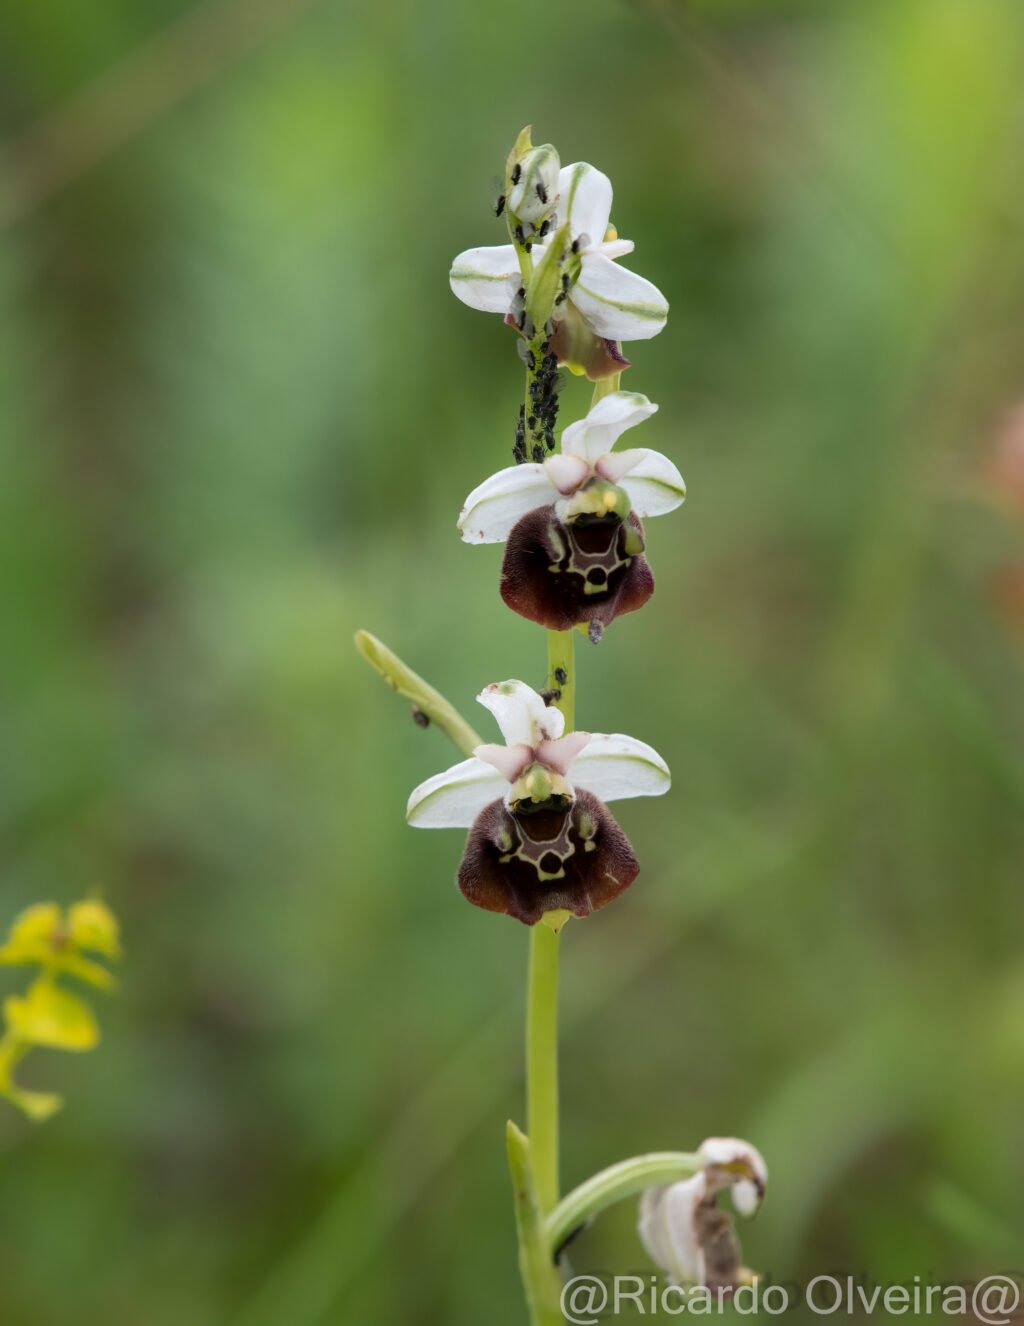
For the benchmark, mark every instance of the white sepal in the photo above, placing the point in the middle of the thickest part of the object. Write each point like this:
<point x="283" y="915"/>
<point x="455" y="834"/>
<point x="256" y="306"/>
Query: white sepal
<point x="613" y="766"/>
<point x="494" y="506"/>
<point x="453" y="799"/>
<point x="617" y="303"/>
<point x="668" y="1228"/>
<point x="653" y="483"/>
<point x="585" y="201"/>
<point x="594" y="436"/>
<point x="616" y="248"/>
<point x="521" y="713"/>
<point x="486" y="278"/>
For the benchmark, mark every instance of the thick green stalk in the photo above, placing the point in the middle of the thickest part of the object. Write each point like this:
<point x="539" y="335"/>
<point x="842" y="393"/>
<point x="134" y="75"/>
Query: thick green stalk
<point x="542" y="992"/>
<point x="604" y="387"/>
<point x="542" y="1062"/>
<point x="541" y="1279"/>
<point x="562" y="673"/>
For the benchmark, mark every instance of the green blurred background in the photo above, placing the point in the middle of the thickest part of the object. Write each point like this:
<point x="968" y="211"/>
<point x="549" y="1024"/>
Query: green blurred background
<point x="240" y="410"/>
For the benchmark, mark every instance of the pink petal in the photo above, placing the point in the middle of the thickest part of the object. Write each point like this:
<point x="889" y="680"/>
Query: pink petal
<point x="558" y="755"/>
<point x="566" y="472"/>
<point x="510" y="761"/>
<point x="614" y="464"/>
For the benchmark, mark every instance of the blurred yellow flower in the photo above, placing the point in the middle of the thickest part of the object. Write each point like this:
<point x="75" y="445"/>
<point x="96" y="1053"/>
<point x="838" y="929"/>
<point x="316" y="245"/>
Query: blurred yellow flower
<point x="92" y="925"/>
<point x="46" y="1014"/>
<point x="43" y="935"/>
<point x="49" y="1016"/>
<point x="33" y="935"/>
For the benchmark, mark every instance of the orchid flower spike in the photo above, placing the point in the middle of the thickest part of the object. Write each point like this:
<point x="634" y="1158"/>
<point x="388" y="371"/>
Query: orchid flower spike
<point x="682" y="1228"/>
<point x="541" y="838"/>
<point x="572" y="522"/>
<point x="606" y="303"/>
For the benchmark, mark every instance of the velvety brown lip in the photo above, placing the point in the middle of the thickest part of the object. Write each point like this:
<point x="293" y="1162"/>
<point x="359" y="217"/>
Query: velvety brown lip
<point x="548" y="564"/>
<point x="527" y="864"/>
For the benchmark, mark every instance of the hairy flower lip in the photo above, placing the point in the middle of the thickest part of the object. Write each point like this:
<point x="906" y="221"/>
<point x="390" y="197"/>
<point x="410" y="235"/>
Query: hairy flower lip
<point x="582" y="861"/>
<point x="560" y="578"/>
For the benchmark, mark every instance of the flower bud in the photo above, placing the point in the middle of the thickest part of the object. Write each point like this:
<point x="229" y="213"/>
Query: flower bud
<point x="533" y="184"/>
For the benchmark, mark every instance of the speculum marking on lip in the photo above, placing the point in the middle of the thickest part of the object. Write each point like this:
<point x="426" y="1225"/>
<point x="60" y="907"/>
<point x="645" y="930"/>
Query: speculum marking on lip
<point x="544" y="856"/>
<point x="563" y="575"/>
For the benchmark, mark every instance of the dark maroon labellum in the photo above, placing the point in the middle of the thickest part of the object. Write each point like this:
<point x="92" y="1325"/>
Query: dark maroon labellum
<point x="558" y="854"/>
<point x="566" y="574"/>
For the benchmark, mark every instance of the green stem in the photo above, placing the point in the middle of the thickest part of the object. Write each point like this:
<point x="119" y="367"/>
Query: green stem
<point x="414" y="688"/>
<point x="561" y="663"/>
<point x="533" y="435"/>
<point x="625" y="1179"/>
<point x="541" y="1279"/>
<point x="542" y="1062"/>
<point x="542" y="990"/>
<point x="604" y="387"/>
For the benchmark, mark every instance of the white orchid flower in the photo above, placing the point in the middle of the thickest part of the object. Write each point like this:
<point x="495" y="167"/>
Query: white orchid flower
<point x="682" y="1229"/>
<point x="539" y="843"/>
<point x="616" y="304"/>
<point x="535" y="763"/>
<point x="651" y="481"/>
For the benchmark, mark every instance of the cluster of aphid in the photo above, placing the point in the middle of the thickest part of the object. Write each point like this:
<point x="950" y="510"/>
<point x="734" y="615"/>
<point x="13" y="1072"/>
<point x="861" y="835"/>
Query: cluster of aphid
<point x="581" y="242"/>
<point x="545" y="384"/>
<point x="525" y="232"/>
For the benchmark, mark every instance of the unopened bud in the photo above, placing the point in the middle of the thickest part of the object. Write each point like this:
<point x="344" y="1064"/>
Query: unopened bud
<point x="533" y="184"/>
